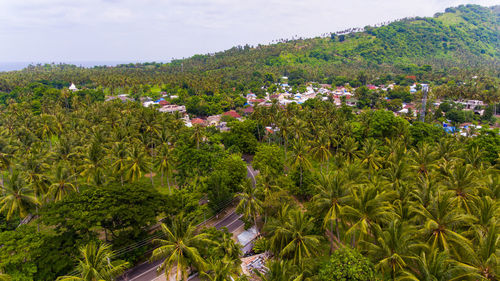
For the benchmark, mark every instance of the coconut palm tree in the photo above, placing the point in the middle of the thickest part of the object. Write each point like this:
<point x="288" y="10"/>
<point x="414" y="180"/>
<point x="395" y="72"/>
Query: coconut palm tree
<point x="17" y="197"/>
<point x="393" y="248"/>
<point x="163" y="163"/>
<point x="492" y="183"/>
<point x="93" y="163"/>
<point x="293" y="239"/>
<point x="320" y="150"/>
<point x="332" y="195"/>
<point x="482" y="261"/>
<point x="137" y="163"/>
<point x="369" y="154"/>
<point x="462" y="181"/>
<point x="433" y="266"/>
<point x="179" y="248"/>
<point x="36" y="173"/>
<point x="223" y="269"/>
<point x="300" y="158"/>
<point x="119" y="164"/>
<point x="198" y="135"/>
<point x="423" y="158"/>
<point x="96" y="264"/>
<point x="63" y="183"/>
<point x="366" y="208"/>
<point x="349" y="149"/>
<point x="442" y="223"/>
<point x="250" y="206"/>
<point x="281" y="270"/>
<point x="227" y="247"/>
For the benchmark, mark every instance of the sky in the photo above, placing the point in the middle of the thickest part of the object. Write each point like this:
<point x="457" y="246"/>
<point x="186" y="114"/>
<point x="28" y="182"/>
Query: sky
<point x="159" y="30"/>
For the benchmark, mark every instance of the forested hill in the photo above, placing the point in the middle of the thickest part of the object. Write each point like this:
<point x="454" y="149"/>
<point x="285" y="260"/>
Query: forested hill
<point x="466" y="35"/>
<point x="465" y="38"/>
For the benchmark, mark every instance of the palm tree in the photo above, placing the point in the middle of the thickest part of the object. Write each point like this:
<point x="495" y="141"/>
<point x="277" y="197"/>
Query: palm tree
<point x="35" y="170"/>
<point x="250" y="206"/>
<point x="393" y="248"/>
<point x="6" y="156"/>
<point x="442" y="222"/>
<point x="179" y="249"/>
<point x="198" y="135"/>
<point x="137" y="163"/>
<point x="320" y="149"/>
<point x="63" y="183"/>
<point x="93" y="163"/>
<point x="492" y="183"/>
<point x="300" y="157"/>
<point x="481" y="261"/>
<point x="366" y="208"/>
<point x="223" y="269"/>
<point x="332" y="195"/>
<point x="291" y="237"/>
<point x="462" y="181"/>
<point x="473" y="156"/>
<point x="485" y="211"/>
<point x="281" y="270"/>
<point x="163" y="163"/>
<point x="17" y="197"/>
<point x="349" y="148"/>
<point x="369" y="154"/>
<point x="96" y="264"/>
<point x="284" y="126"/>
<point x="119" y="164"/>
<point x="423" y="158"/>
<point x="436" y="266"/>
<point x="227" y="247"/>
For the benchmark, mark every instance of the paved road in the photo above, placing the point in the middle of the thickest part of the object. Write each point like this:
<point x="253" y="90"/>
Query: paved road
<point x="147" y="271"/>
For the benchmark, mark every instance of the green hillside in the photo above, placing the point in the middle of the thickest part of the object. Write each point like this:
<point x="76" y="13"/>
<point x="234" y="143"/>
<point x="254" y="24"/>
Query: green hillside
<point x="463" y="36"/>
<point x="458" y="42"/>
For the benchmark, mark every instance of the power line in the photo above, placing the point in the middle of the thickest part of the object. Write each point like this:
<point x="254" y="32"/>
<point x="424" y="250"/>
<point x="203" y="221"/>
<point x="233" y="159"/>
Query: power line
<point x="149" y="239"/>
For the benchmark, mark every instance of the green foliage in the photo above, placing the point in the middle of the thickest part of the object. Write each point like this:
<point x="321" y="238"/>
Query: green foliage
<point x="383" y="124"/>
<point x="424" y="132"/>
<point x="269" y="159"/>
<point x="27" y="254"/>
<point x="489" y="143"/>
<point x="419" y="47"/>
<point x="225" y="180"/>
<point x="123" y="212"/>
<point x="347" y="264"/>
<point x="242" y="136"/>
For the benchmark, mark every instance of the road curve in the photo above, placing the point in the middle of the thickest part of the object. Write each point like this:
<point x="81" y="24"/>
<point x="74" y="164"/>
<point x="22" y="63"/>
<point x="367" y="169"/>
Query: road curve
<point x="147" y="271"/>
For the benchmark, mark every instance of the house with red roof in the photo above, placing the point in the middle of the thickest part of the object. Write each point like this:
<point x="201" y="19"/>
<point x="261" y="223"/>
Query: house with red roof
<point x="198" y="121"/>
<point x="232" y="113"/>
<point x="247" y="111"/>
<point x="163" y="103"/>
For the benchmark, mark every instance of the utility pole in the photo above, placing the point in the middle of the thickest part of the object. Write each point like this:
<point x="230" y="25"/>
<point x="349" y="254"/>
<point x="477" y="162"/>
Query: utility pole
<point x="425" y="89"/>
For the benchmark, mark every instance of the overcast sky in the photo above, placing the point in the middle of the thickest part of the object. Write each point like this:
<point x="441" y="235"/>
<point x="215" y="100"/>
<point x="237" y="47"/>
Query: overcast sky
<point x="158" y="30"/>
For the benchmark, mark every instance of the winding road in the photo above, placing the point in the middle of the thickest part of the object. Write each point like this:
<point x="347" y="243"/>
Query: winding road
<point x="147" y="271"/>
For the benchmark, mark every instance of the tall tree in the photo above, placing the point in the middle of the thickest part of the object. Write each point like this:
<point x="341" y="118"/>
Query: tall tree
<point x="179" y="249"/>
<point x="17" y="197"/>
<point x="96" y="264"/>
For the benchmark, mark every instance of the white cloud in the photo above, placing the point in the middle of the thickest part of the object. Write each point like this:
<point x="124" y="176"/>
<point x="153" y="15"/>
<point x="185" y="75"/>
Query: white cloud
<point x="67" y="30"/>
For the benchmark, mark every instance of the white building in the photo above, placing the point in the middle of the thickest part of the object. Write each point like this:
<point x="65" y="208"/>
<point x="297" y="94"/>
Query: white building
<point x="73" y="88"/>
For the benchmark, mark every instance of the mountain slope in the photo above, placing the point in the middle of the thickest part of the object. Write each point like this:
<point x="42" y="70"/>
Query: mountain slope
<point x="466" y="35"/>
<point x="462" y="40"/>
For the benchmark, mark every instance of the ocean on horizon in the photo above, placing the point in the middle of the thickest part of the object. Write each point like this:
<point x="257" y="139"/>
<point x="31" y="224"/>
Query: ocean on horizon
<point x="12" y="66"/>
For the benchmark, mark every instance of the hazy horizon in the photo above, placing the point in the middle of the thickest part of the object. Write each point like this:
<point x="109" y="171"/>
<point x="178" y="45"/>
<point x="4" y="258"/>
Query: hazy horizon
<point x="124" y="31"/>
